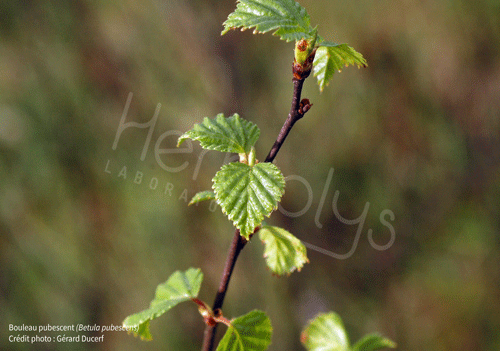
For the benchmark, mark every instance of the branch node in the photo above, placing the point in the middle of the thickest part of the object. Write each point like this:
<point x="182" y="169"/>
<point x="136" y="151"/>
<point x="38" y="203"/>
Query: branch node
<point x="206" y="312"/>
<point x="303" y="70"/>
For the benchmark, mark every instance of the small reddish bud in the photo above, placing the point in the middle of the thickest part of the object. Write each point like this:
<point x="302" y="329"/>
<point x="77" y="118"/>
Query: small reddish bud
<point x="302" y="45"/>
<point x="304" y="106"/>
<point x="302" y="70"/>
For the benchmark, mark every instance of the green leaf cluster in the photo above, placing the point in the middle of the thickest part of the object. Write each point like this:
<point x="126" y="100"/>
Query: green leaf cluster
<point x="327" y="333"/>
<point x="290" y="21"/>
<point x="250" y="332"/>
<point x="247" y="191"/>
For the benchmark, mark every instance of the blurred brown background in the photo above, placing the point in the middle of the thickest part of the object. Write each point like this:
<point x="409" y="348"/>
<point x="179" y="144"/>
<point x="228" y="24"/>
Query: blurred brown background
<point x="415" y="133"/>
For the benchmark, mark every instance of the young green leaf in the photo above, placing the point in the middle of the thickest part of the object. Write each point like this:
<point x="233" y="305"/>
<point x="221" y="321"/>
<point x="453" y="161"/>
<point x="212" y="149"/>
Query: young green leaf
<point x="284" y="253"/>
<point x="202" y="196"/>
<point x="325" y="333"/>
<point x="331" y="57"/>
<point x="304" y="48"/>
<point x="372" y="342"/>
<point x="247" y="193"/>
<point x="180" y="287"/>
<point x="231" y="134"/>
<point x="250" y="332"/>
<point x="286" y="18"/>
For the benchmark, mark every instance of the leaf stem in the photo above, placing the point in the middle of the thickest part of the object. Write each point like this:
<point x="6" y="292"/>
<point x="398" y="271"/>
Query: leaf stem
<point x="297" y="110"/>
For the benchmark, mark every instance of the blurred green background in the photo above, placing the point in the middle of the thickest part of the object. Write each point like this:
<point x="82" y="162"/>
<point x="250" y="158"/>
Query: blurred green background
<point x="416" y="133"/>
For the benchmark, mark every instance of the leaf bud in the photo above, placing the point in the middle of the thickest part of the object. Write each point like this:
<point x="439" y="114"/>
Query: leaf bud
<point x="304" y="48"/>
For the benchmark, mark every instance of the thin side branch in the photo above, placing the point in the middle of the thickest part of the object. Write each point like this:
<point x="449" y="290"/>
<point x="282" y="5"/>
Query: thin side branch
<point x="296" y="113"/>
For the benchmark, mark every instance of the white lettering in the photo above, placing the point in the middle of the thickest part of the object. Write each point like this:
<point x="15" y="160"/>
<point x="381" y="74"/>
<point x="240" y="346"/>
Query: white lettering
<point x="168" y="189"/>
<point x="138" y="177"/>
<point x="323" y="197"/>
<point x="107" y="168"/>
<point x="309" y="198"/>
<point x="360" y="220"/>
<point x="184" y="195"/>
<point x="153" y="183"/>
<point x="176" y="150"/>
<point x="388" y="225"/>
<point x="123" y="173"/>
<point x="122" y="126"/>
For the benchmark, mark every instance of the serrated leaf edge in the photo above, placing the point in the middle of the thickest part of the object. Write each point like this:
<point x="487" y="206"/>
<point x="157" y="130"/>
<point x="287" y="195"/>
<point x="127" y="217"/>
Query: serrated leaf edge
<point x="323" y="60"/>
<point x="219" y="126"/>
<point x="202" y="196"/>
<point x="198" y="275"/>
<point x="233" y="329"/>
<point x="302" y="250"/>
<point x="296" y="29"/>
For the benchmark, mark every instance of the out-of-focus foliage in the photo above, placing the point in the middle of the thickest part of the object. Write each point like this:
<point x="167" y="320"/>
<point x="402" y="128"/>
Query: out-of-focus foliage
<point x="87" y="231"/>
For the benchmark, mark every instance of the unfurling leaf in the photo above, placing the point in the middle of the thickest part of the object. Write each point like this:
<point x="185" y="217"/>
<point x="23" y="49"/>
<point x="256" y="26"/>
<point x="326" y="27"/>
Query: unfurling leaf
<point x="325" y="333"/>
<point x="284" y="253"/>
<point x="231" y="134"/>
<point x="290" y="21"/>
<point x="331" y="57"/>
<point x="180" y="287"/>
<point x="202" y="196"/>
<point x="251" y="332"/>
<point x="304" y="48"/>
<point x="247" y="193"/>
<point x="286" y="18"/>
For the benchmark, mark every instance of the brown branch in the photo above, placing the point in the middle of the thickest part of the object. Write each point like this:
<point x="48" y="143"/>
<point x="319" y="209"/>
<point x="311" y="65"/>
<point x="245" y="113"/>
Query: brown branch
<point x="297" y="110"/>
<point x="237" y="245"/>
